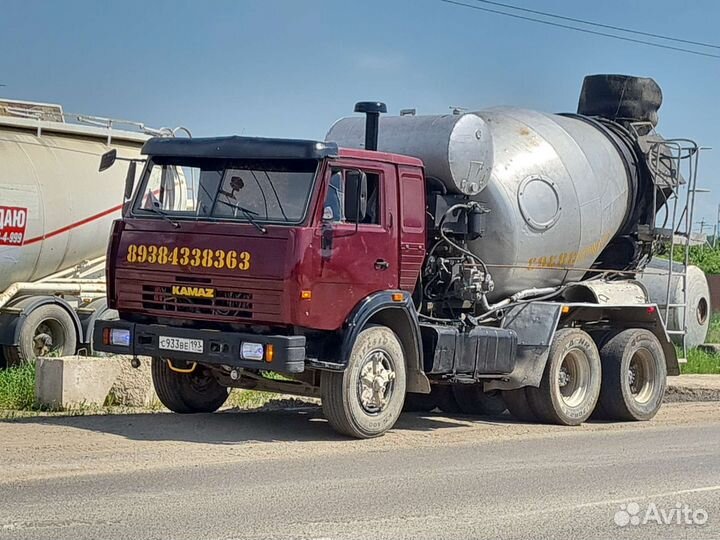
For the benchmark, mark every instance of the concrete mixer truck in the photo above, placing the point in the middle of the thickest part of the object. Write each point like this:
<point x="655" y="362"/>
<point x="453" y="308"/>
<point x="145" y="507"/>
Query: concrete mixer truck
<point x="55" y="216"/>
<point x="472" y="262"/>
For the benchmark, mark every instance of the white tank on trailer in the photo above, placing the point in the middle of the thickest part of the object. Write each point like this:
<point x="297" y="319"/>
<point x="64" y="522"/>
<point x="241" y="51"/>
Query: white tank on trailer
<point x="56" y="209"/>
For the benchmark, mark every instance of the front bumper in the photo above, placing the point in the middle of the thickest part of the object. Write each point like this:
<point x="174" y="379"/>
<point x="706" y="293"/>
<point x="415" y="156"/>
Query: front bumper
<point x="223" y="348"/>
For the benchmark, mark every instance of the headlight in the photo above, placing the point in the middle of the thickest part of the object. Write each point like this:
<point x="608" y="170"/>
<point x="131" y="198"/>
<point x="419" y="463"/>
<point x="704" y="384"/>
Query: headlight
<point x="120" y="336"/>
<point x="251" y="351"/>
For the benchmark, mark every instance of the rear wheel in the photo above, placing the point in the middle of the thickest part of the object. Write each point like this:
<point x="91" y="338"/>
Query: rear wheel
<point x="634" y="376"/>
<point x="196" y="391"/>
<point x="367" y="398"/>
<point x="48" y="330"/>
<point x="570" y="385"/>
<point x="518" y="405"/>
<point x="473" y="400"/>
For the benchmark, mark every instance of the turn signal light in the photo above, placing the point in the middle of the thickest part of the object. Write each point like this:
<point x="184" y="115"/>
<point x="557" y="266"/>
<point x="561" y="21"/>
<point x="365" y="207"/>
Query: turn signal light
<point x="565" y="309"/>
<point x="269" y="352"/>
<point x="305" y="295"/>
<point x="398" y="297"/>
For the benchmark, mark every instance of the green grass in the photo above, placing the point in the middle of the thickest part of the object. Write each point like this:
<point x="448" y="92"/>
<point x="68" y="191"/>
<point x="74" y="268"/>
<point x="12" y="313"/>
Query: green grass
<point x="701" y="363"/>
<point x="17" y="387"/>
<point x="248" y="399"/>
<point x="713" y="335"/>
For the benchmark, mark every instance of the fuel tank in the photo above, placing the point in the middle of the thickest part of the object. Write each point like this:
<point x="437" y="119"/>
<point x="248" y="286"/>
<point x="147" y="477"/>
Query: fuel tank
<point x="557" y="187"/>
<point x="55" y="207"/>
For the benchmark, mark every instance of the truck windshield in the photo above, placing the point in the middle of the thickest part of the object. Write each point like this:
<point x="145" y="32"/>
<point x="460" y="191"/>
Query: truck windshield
<point x="267" y="191"/>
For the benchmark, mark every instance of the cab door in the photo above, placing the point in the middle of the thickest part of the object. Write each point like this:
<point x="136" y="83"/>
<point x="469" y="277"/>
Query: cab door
<point x="355" y="259"/>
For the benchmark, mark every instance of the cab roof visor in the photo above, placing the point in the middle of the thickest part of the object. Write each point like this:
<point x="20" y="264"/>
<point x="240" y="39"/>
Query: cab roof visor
<point x="237" y="147"/>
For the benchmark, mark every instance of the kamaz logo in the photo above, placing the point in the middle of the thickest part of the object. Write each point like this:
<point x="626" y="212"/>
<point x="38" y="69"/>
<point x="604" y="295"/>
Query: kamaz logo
<point x="193" y="292"/>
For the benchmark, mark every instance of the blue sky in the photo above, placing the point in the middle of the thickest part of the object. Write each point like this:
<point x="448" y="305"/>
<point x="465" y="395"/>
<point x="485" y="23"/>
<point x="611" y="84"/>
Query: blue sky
<point x="290" y="68"/>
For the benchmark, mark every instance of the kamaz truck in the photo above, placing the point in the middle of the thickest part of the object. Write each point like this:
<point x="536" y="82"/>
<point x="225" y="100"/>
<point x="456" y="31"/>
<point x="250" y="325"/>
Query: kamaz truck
<point x="473" y="262"/>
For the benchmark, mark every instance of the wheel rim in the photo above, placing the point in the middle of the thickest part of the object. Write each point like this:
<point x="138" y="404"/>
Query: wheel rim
<point x="49" y="337"/>
<point x="377" y="382"/>
<point x="574" y="377"/>
<point x="642" y="376"/>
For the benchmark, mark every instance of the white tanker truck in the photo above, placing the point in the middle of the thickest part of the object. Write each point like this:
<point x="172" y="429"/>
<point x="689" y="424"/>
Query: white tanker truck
<point x="55" y="216"/>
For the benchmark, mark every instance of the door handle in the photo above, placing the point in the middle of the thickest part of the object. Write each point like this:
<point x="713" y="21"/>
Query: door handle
<point x="381" y="264"/>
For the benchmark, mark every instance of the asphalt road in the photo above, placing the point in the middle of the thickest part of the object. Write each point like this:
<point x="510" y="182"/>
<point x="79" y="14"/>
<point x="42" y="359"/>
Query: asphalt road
<point x="284" y="474"/>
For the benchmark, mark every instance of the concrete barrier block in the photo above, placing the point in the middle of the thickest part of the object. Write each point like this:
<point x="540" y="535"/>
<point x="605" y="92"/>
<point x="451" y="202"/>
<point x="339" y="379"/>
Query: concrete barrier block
<point x="133" y="387"/>
<point x="73" y="381"/>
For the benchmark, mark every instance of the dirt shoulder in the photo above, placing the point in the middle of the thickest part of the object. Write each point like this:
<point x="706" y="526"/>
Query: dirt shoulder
<point x="46" y="447"/>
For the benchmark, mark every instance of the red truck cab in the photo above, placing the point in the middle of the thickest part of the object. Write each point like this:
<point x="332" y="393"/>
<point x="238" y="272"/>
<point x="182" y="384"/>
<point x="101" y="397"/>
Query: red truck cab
<point x="241" y="255"/>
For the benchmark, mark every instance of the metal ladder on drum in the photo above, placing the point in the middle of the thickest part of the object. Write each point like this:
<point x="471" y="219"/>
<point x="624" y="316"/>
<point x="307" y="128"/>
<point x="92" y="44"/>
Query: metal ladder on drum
<point x="675" y="160"/>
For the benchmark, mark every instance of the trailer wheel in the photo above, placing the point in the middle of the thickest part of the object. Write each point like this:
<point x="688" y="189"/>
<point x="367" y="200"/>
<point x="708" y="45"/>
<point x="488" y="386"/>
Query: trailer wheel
<point x="367" y="398"/>
<point x="48" y="330"/>
<point x="518" y="405"/>
<point x="419" y="402"/>
<point x="570" y="385"/>
<point x="473" y="400"/>
<point x="634" y="376"/>
<point x="194" y="392"/>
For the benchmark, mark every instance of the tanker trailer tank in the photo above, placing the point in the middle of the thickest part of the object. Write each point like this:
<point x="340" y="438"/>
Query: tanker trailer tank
<point x="56" y="210"/>
<point x="562" y="193"/>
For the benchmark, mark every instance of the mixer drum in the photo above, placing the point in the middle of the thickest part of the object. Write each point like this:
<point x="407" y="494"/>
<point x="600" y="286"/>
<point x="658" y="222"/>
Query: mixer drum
<point x="558" y="190"/>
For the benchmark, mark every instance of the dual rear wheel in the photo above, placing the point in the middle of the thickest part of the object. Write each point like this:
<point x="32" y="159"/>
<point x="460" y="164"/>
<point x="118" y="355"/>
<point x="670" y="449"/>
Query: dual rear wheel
<point x="624" y="380"/>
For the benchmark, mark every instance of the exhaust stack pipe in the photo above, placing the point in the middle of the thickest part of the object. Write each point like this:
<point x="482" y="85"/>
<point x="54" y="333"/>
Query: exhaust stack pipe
<point x="372" y="110"/>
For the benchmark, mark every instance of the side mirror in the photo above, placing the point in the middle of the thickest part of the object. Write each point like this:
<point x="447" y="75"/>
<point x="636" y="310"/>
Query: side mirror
<point x="356" y="195"/>
<point x="107" y="160"/>
<point x="130" y="179"/>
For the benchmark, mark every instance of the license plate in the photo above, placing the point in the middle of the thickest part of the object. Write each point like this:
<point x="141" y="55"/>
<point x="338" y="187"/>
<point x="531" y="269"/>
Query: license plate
<point x="181" y="344"/>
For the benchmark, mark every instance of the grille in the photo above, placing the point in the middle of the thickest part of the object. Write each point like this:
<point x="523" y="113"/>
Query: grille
<point x="238" y="299"/>
<point x="224" y="304"/>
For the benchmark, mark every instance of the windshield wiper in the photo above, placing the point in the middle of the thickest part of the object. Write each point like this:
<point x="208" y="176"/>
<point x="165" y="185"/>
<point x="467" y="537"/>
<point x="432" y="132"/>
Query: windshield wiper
<point x="163" y="215"/>
<point x="247" y="213"/>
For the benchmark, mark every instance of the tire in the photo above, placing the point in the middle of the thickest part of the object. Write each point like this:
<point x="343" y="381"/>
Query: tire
<point x="186" y="393"/>
<point x="419" y="402"/>
<point x="518" y="405"/>
<point x="365" y="410"/>
<point x="570" y="385"/>
<point x="48" y="330"/>
<point x="634" y="376"/>
<point x="445" y="399"/>
<point x="620" y="96"/>
<point x="473" y="400"/>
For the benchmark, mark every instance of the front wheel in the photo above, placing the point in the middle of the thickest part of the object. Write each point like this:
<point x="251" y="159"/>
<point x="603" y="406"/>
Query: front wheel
<point x="187" y="388"/>
<point x="367" y="398"/>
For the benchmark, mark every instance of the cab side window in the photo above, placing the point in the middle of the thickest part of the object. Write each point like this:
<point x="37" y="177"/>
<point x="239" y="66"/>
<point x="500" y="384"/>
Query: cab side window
<point x="333" y="209"/>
